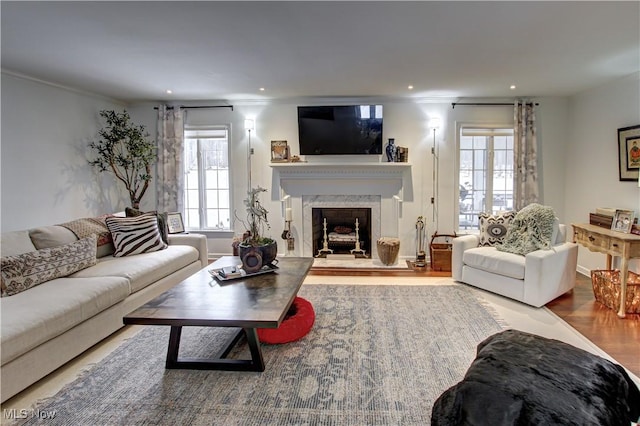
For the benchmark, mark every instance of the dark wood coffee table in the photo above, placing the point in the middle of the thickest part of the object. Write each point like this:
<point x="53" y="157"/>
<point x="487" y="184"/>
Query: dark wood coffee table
<point x="261" y="301"/>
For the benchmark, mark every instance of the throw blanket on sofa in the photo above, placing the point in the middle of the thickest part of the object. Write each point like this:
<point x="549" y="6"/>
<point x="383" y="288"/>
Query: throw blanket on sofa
<point x="530" y="230"/>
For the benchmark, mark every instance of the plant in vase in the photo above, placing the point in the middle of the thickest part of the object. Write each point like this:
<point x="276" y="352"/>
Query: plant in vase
<point x="125" y="151"/>
<point x="256" y="250"/>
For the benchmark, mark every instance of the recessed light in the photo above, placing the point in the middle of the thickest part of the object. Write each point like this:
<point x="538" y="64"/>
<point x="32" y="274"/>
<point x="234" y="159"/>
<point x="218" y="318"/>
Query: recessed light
<point x="410" y="87"/>
<point x="512" y="87"/>
<point x="262" y="89"/>
<point x="169" y="91"/>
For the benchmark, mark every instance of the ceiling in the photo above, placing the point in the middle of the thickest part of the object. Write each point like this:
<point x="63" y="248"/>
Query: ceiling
<point x="135" y="51"/>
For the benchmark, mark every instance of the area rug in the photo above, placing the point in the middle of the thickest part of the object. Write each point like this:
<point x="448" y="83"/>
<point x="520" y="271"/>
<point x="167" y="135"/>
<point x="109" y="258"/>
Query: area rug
<point x="377" y="355"/>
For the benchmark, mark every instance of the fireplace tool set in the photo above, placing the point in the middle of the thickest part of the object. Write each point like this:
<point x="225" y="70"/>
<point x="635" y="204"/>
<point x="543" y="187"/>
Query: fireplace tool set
<point x="421" y="255"/>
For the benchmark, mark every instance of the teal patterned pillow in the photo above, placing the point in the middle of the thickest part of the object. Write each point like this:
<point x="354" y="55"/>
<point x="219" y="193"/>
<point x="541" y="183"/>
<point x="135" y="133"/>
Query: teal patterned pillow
<point x="493" y="228"/>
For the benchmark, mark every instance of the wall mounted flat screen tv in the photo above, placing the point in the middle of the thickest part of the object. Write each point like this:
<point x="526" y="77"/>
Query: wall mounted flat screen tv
<point x="340" y="130"/>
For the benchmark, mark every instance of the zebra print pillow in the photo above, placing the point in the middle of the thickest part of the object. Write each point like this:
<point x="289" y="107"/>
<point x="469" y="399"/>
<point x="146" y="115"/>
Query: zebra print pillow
<point x="135" y="235"/>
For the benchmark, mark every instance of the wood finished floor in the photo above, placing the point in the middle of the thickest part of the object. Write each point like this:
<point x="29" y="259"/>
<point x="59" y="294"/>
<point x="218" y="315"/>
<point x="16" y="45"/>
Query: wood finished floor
<point x="620" y="338"/>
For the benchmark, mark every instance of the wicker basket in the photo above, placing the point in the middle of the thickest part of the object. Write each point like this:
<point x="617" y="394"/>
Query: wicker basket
<point x="388" y="249"/>
<point x="606" y="289"/>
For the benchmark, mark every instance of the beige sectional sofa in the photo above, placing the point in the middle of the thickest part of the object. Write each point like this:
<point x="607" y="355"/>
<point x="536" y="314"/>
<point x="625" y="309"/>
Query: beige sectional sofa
<point x="49" y="324"/>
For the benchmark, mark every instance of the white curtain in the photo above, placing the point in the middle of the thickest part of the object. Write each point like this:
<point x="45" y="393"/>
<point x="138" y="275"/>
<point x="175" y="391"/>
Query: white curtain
<point x="170" y="167"/>
<point x="526" y="189"/>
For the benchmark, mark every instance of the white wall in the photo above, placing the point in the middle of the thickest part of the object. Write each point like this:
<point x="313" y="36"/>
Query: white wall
<point x="406" y="121"/>
<point x="591" y="174"/>
<point x="45" y="175"/>
<point x="46" y="178"/>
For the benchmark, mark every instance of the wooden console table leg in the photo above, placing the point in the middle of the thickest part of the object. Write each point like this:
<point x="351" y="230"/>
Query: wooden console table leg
<point x="609" y="258"/>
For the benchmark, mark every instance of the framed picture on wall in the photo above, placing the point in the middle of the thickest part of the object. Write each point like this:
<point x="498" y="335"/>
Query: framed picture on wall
<point x="629" y="152"/>
<point x="175" y="223"/>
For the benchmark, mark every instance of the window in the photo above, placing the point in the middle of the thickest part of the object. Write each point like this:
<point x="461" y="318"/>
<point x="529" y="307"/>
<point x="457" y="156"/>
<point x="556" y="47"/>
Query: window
<point x="206" y="194"/>
<point x="485" y="173"/>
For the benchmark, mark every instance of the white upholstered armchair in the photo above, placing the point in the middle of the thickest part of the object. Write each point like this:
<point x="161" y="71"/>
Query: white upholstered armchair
<point x="534" y="279"/>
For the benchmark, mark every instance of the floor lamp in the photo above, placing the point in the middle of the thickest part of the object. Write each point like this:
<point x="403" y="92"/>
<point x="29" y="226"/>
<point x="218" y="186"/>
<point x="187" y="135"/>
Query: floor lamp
<point x="434" y="123"/>
<point x="249" y="126"/>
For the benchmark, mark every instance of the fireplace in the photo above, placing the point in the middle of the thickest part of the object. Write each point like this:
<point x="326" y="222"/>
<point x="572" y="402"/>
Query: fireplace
<point x="348" y="231"/>
<point x="378" y="187"/>
<point x="355" y="204"/>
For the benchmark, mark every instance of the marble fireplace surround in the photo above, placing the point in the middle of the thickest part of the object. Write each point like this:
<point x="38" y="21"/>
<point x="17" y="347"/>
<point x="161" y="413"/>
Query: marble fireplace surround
<point x="377" y="186"/>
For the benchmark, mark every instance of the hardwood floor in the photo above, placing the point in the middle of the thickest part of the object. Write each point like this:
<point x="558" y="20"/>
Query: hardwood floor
<point x="620" y="338"/>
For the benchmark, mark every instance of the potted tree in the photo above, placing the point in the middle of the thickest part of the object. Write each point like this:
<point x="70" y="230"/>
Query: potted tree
<point x="124" y="150"/>
<point x="256" y="250"/>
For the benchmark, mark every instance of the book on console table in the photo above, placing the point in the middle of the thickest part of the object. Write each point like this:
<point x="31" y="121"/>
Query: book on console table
<point x="605" y="211"/>
<point x="605" y="221"/>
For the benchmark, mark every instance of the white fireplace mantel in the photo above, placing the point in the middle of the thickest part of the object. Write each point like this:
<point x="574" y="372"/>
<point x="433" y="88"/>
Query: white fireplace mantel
<point x="341" y="178"/>
<point x="340" y="170"/>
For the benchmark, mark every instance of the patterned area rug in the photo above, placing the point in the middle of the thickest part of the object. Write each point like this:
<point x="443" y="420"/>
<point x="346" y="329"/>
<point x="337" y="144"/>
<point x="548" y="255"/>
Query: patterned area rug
<point x="377" y="355"/>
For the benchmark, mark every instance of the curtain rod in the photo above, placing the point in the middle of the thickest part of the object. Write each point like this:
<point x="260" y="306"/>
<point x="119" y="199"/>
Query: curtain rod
<point x="453" y="104"/>
<point x="200" y="106"/>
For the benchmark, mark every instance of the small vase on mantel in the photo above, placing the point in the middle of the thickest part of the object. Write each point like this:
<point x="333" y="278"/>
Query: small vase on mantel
<point x="391" y="151"/>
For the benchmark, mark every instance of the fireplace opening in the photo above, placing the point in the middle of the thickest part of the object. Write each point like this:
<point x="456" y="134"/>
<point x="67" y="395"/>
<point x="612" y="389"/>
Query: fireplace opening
<point x="342" y="237"/>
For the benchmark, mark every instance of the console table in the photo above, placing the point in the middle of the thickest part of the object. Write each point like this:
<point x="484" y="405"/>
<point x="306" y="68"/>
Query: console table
<point x="611" y="243"/>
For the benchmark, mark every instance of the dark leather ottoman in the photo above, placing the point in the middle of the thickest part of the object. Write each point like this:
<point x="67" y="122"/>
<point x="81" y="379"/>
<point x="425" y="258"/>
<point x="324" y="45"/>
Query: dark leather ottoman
<point x="519" y="378"/>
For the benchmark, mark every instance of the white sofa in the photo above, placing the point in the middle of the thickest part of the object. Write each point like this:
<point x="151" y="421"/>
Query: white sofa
<point x="47" y="325"/>
<point x="534" y="279"/>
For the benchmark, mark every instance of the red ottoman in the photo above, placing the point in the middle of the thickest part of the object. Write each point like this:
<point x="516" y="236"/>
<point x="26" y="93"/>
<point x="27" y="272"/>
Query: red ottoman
<point x="297" y="323"/>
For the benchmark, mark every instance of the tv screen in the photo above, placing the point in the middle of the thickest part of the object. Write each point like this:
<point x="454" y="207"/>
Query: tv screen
<point x="338" y="130"/>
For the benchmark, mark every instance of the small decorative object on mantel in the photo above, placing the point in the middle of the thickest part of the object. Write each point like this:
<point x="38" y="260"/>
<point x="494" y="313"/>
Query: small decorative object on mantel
<point x="629" y="152"/>
<point x="391" y="151"/>
<point x="279" y="151"/>
<point x="623" y="220"/>
<point x="402" y="154"/>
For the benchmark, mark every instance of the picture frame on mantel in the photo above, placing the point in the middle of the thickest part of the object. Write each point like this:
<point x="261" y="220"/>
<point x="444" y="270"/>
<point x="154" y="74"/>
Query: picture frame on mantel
<point x="279" y="152"/>
<point x="629" y="152"/>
